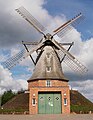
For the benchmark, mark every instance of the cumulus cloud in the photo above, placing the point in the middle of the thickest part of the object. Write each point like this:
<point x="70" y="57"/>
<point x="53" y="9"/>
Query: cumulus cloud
<point x="7" y="82"/>
<point x="11" y="25"/>
<point x="85" y="87"/>
<point x="86" y="53"/>
<point x="82" y="50"/>
<point x="14" y="29"/>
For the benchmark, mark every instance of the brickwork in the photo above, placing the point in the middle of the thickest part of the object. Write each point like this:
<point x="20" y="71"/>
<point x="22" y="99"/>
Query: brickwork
<point x="42" y="83"/>
<point x="40" y="86"/>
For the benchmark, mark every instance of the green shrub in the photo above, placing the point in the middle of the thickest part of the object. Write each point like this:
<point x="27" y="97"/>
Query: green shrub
<point x="7" y="96"/>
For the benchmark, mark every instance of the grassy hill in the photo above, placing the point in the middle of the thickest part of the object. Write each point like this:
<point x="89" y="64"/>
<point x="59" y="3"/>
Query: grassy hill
<point x="20" y="103"/>
<point x="79" y="103"/>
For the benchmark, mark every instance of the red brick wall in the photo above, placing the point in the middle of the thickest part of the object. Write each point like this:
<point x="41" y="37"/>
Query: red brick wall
<point x="42" y="83"/>
<point x="40" y="86"/>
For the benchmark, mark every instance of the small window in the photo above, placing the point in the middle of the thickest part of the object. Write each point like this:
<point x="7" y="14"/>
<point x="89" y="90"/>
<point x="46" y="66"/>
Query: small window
<point x="48" y="55"/>
<point x="48" y="83"/>
<point x="33" y="102"/>
<point x="49" y="98"/>
<point x="48" y="68"/>
<point x="65" y="101"/>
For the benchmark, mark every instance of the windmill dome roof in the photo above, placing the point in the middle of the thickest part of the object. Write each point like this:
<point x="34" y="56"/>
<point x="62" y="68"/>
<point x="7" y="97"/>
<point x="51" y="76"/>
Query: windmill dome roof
<point x="48" y="66"/>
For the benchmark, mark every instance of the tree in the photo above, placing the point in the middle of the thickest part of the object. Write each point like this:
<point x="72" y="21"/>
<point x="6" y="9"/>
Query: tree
<point x="7" y="96"/>
<point x="0" y="100"/>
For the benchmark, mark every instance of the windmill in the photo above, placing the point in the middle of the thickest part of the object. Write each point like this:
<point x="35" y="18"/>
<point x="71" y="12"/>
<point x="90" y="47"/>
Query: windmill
<point x="48" y="42"/>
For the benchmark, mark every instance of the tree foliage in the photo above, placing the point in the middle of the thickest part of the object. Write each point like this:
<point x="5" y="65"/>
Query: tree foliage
<point x="7" y="96"/>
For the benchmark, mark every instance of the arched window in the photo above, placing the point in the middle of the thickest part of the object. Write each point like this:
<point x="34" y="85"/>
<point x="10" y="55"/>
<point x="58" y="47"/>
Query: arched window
<point x="48" y="68"/>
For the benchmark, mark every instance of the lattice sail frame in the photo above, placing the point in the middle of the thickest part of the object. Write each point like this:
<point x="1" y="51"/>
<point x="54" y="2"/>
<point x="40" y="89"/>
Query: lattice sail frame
<point x="29" y="18"/>
<point x="12" y="61"/>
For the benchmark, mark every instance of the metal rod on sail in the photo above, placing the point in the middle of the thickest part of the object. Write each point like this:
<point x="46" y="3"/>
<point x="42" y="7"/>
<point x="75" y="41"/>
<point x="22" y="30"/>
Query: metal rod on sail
<point x="28" y="51"/>
<point x="67" y="50"/>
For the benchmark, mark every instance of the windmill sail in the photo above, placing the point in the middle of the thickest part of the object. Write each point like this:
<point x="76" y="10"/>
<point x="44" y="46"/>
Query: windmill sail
<point x="28" y="17"/>
<point x="70" y="60"/>
<point x="9" y="63"/>
<point x="75" y="65"/>
<point x="12" y="61"/>
<point x="68" y="26"/>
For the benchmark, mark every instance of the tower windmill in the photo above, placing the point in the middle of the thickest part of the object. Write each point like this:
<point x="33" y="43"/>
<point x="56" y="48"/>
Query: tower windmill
<point x="48" y="40"/>
<point x="50" y="55"/>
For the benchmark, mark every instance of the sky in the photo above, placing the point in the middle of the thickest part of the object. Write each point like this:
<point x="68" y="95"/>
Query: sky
<point x="51" y="14"/>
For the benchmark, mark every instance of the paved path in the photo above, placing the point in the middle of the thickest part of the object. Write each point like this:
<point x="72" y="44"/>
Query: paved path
<point x="48" y="117"/>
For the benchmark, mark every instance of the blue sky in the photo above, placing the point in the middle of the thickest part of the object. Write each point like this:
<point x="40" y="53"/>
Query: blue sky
<point x="71" y="8"/>
<point x="51" y="14"/>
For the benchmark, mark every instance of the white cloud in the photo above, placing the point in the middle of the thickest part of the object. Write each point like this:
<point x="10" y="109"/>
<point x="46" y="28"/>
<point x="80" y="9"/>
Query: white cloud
<point x="16" y="49"/>
<point x="85" y="87"/>
<point x="7" y="82"/>
<point x="2" y="57"/>
<point x="83" y="51"/>
<point x="14" y="29"/>
<point x="86" y="53"/>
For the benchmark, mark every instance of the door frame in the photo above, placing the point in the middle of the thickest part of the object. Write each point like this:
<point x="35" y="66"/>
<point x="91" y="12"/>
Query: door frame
<point x="50" y="92"/>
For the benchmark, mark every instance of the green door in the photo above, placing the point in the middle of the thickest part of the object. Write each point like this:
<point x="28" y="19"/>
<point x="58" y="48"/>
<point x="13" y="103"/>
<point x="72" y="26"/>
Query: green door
<point x="49" y="103"/>
<point x="57" y="103"/>
<point x="41" y="104"/>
